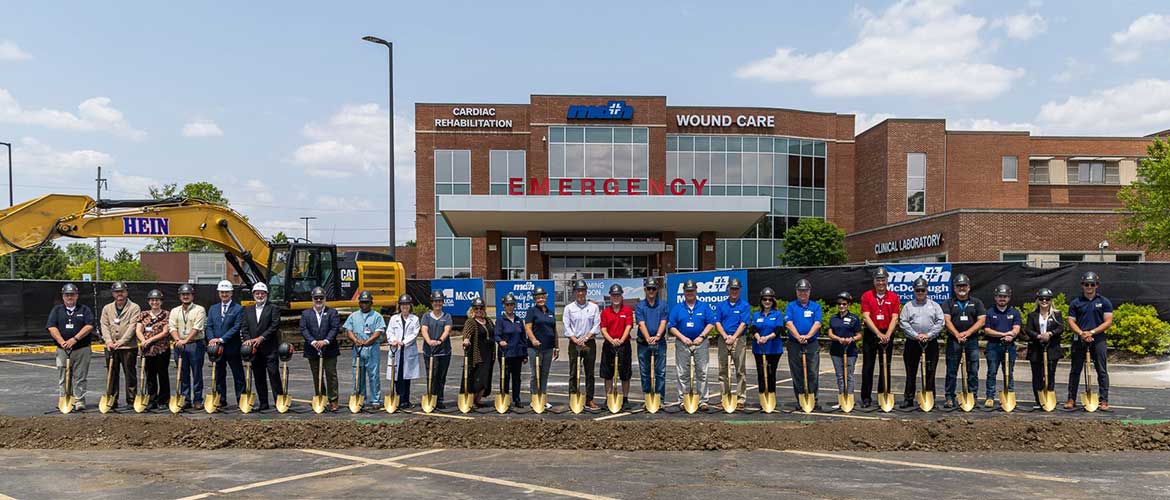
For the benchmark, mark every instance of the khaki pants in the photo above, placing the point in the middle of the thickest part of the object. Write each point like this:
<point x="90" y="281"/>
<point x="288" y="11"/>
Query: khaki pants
<point x="79" y="365"/>
<point x="738" y="354"/>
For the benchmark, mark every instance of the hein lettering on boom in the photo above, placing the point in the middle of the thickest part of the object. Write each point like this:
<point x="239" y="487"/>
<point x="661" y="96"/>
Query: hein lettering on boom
<point x="608" y="187"/>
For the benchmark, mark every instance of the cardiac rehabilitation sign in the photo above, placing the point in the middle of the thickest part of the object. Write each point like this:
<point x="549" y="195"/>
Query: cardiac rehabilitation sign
<point x="938" y="280"/>
<point x="712" y="285"/>
<point x="522" y="291"/>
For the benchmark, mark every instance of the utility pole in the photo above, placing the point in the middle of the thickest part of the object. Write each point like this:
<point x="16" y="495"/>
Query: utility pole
<point x="98" y="241"/>
<point x="307" y="219"/>
<point x="11" y="202"/>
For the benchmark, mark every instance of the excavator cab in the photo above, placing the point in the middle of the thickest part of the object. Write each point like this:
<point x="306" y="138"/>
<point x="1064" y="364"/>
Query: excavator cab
<point x="295" y="269"/>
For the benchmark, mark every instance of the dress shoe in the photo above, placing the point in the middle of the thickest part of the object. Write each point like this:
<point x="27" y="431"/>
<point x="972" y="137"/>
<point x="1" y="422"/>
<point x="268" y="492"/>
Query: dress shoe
<point x="592" y="406"/>
<point x="1070" y="404"/>
<point x="906" y="403"/>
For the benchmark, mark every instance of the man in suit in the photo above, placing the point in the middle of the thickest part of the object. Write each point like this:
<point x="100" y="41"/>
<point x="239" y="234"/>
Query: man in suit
<point x="223" y="327"/>
<point x="319" y="327"/>
<point x="262" y="332"/>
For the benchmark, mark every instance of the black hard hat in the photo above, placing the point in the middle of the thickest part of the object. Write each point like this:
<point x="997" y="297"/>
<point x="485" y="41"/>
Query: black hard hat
<point x="186" y="288"/>
<point x="285" y="351"/>
<point x="1003" y="289"/>
<point x="478" y="302"/>
<point x="405" y="299"/>
<point x="690" y="286"/>
<point x="846" y="296"/>
<point x="921" y="284"/>
<point x="616" y="289"/>
<point x="509" y="299"/>
<point x="118" y="286"/>
<point x="962" y="279"/>
<point x="365" y="296"/>
<point x="437" y="295"/>
<point x="768" y="292"/>
<point x="733" y="284"/>
<point x="246" y="352"/>
<point x="1090" y="277"/>
<point x="68" y="288"/>
<point x="580" y="285"/>
<point x="317" y="292"/>
<point x="649" y="283"/>
<point x="803" y="284"/>
<point x="881" y="273"/>
<point x="539" y="291"/>
<point x="1044" y="293"/>
<point x="154" y="294"/>
<point x="214" y="352"/>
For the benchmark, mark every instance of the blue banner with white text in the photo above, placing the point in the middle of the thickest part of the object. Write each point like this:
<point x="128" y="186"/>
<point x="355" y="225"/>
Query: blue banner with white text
<point x="712" y="285"/>
<point x="937" y="275"/>
<point x="522" y="291"/>
<point x="458" y="293"/>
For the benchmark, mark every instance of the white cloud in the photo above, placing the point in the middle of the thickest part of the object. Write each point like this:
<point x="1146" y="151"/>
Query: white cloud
<point x="1150" y="28"/>
<point x="43" y="162"/>
<point x="202" y="128"/>
<point x="865" y="121"/>
<point x="343" y="203"/>
<point x="132" y="185"/>
<point x="1022" y="26"/>
<point x="914" y="48"/>
<point x="9" y="51"/>
<point x="258" y="192"/>
<point x="1073" y="68"/>
<point x="989" y="124"/>
<point x="1137" y="108"/>
<point x="94" y="114"/>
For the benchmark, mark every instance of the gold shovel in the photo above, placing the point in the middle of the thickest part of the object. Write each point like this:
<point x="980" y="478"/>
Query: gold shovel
<point x="728" y="400"/>
<point x="1089" y="399"/>
<point x="283" y="400"/>
<point x="65" y="401"/>
<point x="966" y="398"/>
<point x="503" y="399"/>
<point x="429" y="399"/>
<point x="106" y="403"/>
<point x="466" y="399"/>
<point x="392" y="400"/>
<point x="539" y="399"/>
<point x="807" y="399"/>
<point x="211" y="398"/>
<point x="1007" y="399"/>
<point x="845" y="399"/>
<point x="653" y="401"/>
<point x="885" y="399"/>
<point x="925" y="397"/>
<point x="248" y="398"/>
<point x="1047" y="396"/>
<point x="177" y="400"/>
<point x="356" y="399"/>
<point x="613" y="400"/>
<point x="141" y="399"/>
<point x="691" y="399"/>
<point x="320" y="400"/>
<point x="767" y="398"/>
<point x="577" y="398"/>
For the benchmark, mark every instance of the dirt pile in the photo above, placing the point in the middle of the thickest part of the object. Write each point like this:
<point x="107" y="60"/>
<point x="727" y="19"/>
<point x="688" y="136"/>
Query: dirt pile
<point x="946" y="435"/>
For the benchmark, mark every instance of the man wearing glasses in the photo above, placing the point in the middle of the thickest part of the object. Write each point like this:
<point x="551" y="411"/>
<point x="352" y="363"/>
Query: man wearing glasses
<point x="1089" y="316"/>
<point x="964" y="317"/>
<point x="1002" y="328"/>
<point x="652" y="315"/>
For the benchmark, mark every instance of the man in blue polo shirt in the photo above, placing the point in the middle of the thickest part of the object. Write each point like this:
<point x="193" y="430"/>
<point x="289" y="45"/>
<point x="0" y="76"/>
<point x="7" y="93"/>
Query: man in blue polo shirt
<point x="1088" y="317"/>
<point x="652" y="314"/>
<point x="804" y="326"/>
<point x="690" y="322"/>
<point x="733" y="317"/>
<point x="1002" y="328"/>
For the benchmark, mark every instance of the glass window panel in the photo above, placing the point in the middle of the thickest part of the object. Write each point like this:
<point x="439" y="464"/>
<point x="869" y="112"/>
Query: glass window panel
<point x="1112" y="173"/>
<point x="780" y="145"/>
<point x="641" y="160"/>
<point x="1098" y="173"/>
<point x="498" y="189"/>
<point x="598" y="160"/>
<point x="916" y="165"/>
<point x="686" y="166"/>
<point x="734" y="190"/>
<point x="765" y="144"/>
<point x="444" y="253"/>
<point x="702" y="166"/>
<point x="461" y="166"/>
<point x="599" y="134"/>
<point x="718" y="168"/>
<point x="686" y="143"/>
<point x="574" y="160"/>
<point x="718" y="190"/>
<point x="750" y="168"/>
<point x="765" y="190"/>
<point x="598" y="261"/>
<point x="780" y="192"/>
<point x="819" y="148"/>
<point x="516" y="160"/>
<point x="574" y="134"/>
<point x="461" y="189"/>
<point x="1010" y="167"/>
<point x="671" y="165"/>
<point x="793" y="146"/>
<point x="793" y="170"/>
<point x="819" y="209"/>
<point x="556" y="160"/>
<point x="498" y="166"/>
<point x="806" y="147"/>
<point x="749" y="191"/>
<point x="749" y="144"/>
<point x="442" y="230"/>
<point x="806" y="171"/>
<point x="702" y="143"/>
<point x="623" y="135"/>
<point x="793" y="207"/>
<point x="574" y="262"/>
<point x="641" y="135"/>
<point x="778" y="206"/>
<point x="915" y="184"/>
<point x="462" y="252"/>
<point x="818" y="194"/>
<point x="733" y="253"/>
<point x="556" y="134"/>
<point x="516" y="254"/>
<point x="718" y="144"/>
<point x="734" y="143"/>
<point x="916" y="203"/>
<point x="806" y="208"/>
<point x="623" y="166"/>
<point x="721" y="253"/>
<point x="672" y="143"/>
<point x="766" y="170"/>
<point x="442" y="166"/>
<point x="749" y="254"/>
<point x="734" y="168"/>
<point x="443" y="188"/>
<point x="779" y="170"/>
<point x="767" y="255"/>
<point x="819" y="172"/>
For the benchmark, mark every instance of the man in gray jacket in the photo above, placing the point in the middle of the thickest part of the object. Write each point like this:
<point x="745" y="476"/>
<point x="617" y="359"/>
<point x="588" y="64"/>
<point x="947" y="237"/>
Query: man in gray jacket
<point x="921" y="321"/>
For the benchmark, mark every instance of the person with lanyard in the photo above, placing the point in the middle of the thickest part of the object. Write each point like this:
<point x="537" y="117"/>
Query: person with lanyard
<point x="117" y="329"/>
<point x="150" y="327"/>
<point x="541" y="328"/>
<point x="223" y="328"/>
<point x="1045" y="328"/>
<point x="70" y="325"/>
<point x="921" y="320"/>
<point x="617" y="321"/>
<point x="582" y="321"/>
<point x="1088" y="317"/>
<point x="803" y="323"/>
<point x="480" y="350"/>
<point x="963" y="316"/>
<point x="652" y="314"/>
<point x="509" y="335"/>
<point x="436" y="334"/>
<point x="766" y="326"/>
<point x="732" y="317"/>
<point x="186" y="323"/>
<point x="690" y="322"/>
<point x="402" y="334"/>
<point x="844" y="331"/>
<point x="319" y="327"/>
<point x="365" y="328"/>
<point x="1002" y="328"/>
<point x="261" y="331"/>
<point x="879" y="311"/>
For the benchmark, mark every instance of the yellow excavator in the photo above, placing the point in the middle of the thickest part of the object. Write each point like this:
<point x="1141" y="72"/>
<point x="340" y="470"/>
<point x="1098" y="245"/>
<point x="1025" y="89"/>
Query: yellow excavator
<point x="291" y="270"/>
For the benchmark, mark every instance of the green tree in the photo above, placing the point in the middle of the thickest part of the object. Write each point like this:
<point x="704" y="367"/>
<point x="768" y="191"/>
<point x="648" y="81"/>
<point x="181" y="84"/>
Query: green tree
<point x="1148" y="202"/>
<point x="79" y="252"/>
<point x="411" y="243"/>
<point x="46" y="262"/>
<point x="814" y="242"/>
<point x="280" y="238"/>
<point x="124" y="255"/>
<point x="130" y="270"/>
<point x="205" y="191"/>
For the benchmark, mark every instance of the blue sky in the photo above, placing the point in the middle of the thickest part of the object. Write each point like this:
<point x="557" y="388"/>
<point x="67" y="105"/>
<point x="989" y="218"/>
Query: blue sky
<point x="284" y="107"/>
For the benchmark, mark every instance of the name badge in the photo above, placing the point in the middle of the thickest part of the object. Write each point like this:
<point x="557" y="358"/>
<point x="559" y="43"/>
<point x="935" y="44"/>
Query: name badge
<point x="690" y="324"/>
<point x="759" y="320"/>
<point x="69" y="325"/>
<point x="367" y="331"/>
<point x="880" y="317"/>
<point x="149" y="328"/>
<point x="963" y="318"/>
<point x="847" y="320"/>
<point x="808" y="314"/>
<point x="1010" y="316"/>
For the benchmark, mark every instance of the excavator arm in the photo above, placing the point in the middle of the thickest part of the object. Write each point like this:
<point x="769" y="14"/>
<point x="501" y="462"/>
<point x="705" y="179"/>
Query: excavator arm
<point x="77" y="216"/>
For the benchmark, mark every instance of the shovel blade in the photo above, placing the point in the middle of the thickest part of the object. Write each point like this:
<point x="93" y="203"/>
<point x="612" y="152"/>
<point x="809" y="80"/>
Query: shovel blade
<point x="392" y="403"/>
<point x="653" y="403"/>
<point x="283" y="403"/>
<point x="1007" y="401"/>
<point x="925" y="400"/>
<point x="538" y="401"/>
<point x="465" y="401"/>
<point x="577" y="403"/>
<point x="846" y="402"/>
<point x="247" y="402"/>
<point x="211" y="402"/>
<point x="1091" y="401"/>
<point x="807" y="401"/>
<point x="768" y="402"/>
<point x="65" y="404"/>
<point x="966" y="401"/>
<point x="1048" y="400"/>
<point x="355" y="403"/>
<point x="886" y="401"/>
<point x="613" y="402"/>
<point x="429" y="401"/>
<point x="503" y="402"/>
<point x="175" y="404"/>
<point x="106" y="403"/>
<point x="728" y="401"/>
<point x="140" y="403"/>
<point x="691" y="403"/>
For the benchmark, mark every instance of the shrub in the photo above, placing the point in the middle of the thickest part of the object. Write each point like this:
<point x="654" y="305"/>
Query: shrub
<point x="1138" y="330"/>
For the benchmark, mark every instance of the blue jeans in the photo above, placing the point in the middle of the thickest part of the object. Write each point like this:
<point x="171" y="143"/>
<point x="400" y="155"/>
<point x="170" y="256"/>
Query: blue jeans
<point x="995" y="355"/>
<point x="659" y="352"/>
<point x="954" y="356"/>
<point x="192" y="355"/>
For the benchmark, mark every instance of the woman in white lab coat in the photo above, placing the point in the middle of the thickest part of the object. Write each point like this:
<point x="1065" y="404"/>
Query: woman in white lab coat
<point x="402" y="335"/>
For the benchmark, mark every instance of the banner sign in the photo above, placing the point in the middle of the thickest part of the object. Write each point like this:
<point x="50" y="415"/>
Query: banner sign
<point x="938" y="279"/>
<point x="712" y="285"/>
<point x="458" y="293"/>
<point x="599" y="290"/>
<point x="522" y="290"/>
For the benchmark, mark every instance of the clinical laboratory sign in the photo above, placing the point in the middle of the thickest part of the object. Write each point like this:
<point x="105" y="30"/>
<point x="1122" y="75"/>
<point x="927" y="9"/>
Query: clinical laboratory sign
<point x="912" y="243"/>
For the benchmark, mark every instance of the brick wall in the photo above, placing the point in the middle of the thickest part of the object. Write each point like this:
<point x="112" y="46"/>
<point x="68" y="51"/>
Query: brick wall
<point x="870" y="187"/>
<point x="974" y="170"/>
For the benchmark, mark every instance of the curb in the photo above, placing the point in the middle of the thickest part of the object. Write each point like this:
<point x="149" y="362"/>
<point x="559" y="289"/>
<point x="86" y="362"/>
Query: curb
<point x="41" y="349"/>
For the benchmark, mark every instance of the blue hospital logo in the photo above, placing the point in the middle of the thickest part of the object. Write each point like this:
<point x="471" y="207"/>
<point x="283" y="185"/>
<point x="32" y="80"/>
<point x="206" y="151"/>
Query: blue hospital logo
<point x="146" y="226"/>
<point x="614" y="110"/>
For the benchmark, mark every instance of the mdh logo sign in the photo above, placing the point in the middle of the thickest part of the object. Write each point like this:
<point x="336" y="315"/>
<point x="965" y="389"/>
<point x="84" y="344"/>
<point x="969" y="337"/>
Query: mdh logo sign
<point x="937" y="276"/>
<point x="711" y="285"/>
<point x="146" y="225"/>
<point x="614" y="110"/>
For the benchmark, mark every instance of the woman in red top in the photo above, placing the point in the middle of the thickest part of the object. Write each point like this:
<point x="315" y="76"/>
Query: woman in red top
<point x="617" y="321"/>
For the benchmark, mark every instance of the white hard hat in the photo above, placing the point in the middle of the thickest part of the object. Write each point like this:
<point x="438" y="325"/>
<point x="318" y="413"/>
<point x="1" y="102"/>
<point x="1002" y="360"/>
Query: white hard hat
<point x="259" y="287"/>
<point x="224" y="286"/>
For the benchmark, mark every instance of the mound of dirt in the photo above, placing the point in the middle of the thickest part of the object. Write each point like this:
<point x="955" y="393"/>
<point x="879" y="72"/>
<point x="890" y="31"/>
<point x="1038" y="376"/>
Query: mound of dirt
<point x="946" y="435"/>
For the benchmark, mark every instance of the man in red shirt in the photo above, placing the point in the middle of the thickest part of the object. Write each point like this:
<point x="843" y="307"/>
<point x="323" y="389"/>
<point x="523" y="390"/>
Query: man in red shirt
<point x="617" y="321"/>
<point x="879" y="311"/>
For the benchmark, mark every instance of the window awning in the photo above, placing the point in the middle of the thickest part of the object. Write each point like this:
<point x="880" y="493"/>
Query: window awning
<point x="687" y="216"/>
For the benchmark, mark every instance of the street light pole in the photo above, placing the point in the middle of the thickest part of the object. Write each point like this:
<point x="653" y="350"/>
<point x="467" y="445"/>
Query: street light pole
<point x="390" y="52"/>
<point x="307" y="219"/>
<point x="11" y="202"/>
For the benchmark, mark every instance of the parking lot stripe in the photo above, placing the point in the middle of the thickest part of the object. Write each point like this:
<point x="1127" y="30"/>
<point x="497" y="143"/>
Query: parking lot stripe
<point x="990" y="472"/>
<point x="622" y="414"/>
<point x="371" y="461"/>
<point x="5" y="497"/>
<point x="28" y="364"/>
<point x="271" y="482"/>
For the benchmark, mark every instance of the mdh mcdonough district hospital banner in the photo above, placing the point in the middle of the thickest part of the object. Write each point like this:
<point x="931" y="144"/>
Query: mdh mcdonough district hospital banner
<point x="711" y="285"/>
